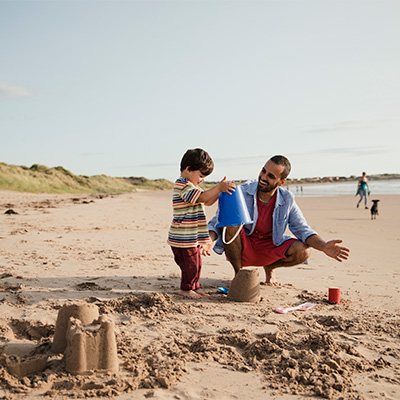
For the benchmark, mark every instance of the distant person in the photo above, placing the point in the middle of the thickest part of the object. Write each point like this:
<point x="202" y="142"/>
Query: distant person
<point x="363" y="190"/>
<point x="188" y="235"/>
<point x="263" y="243"/>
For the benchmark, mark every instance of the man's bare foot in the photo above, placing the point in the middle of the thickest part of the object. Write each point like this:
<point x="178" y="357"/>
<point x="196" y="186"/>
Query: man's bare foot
<point x="201" y="293"/>
<point x="270" y="278"/>
<point x="190" y="293"/>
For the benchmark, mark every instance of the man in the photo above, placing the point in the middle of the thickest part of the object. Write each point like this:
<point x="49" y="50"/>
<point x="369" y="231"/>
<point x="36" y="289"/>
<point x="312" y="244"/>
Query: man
<point x="264" y="243"/>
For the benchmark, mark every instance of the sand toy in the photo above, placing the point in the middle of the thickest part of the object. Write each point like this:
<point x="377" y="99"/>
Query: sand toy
<point x="301" y="307"/>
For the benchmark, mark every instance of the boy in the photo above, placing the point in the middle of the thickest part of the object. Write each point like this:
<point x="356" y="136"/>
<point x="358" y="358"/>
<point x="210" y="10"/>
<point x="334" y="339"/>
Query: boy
<point x="188" y="235"/>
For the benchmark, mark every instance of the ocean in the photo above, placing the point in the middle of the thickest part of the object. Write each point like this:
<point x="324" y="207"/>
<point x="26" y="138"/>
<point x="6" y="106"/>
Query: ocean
<point x="344" y="189"/>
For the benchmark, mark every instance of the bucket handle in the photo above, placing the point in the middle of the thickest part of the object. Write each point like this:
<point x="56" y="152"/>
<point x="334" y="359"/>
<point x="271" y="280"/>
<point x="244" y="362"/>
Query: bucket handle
<point x="234" y="237"/>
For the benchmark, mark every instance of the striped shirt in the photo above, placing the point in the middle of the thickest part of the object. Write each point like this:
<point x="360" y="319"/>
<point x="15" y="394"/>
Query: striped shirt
<point x="189" y="225"/>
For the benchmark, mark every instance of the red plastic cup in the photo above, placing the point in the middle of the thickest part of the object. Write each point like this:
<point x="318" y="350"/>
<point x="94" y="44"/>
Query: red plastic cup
<point x="334" y="295"/>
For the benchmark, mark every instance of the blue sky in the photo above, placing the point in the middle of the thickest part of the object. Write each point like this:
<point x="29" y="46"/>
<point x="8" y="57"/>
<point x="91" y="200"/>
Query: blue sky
<point x="124" y="88"/>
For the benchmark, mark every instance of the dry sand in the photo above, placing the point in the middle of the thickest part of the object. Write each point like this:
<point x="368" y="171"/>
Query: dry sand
<point x="111" y="251"/>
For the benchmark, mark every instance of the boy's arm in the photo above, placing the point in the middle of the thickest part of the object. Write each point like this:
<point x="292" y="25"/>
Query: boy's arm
<point x="210" y="196"/>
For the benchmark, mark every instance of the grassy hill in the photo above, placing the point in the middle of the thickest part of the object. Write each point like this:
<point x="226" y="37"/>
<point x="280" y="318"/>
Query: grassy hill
<point x="41" y="179"/>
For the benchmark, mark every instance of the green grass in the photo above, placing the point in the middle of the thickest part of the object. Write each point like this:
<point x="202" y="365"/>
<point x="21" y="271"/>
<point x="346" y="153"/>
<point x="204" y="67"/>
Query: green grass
<point x="41" y="179"/>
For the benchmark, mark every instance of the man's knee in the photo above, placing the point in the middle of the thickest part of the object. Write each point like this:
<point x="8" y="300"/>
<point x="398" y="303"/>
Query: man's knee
<point x="305" y="254"/>
<point x="299" y="251"/>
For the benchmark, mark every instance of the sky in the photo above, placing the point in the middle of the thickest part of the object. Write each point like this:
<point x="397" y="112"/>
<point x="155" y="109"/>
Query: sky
<point x="124" y="88"/>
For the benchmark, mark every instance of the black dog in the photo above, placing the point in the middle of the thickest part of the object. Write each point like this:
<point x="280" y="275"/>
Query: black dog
<point x="374" y="209"/>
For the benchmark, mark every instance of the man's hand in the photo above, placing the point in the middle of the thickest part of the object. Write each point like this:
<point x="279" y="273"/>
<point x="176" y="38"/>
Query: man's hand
<point x="339" y="253"/>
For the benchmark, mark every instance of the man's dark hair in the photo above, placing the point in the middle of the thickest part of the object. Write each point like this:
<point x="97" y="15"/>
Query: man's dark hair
<point x="282" y="160"/>
<point x="197" y="160"/>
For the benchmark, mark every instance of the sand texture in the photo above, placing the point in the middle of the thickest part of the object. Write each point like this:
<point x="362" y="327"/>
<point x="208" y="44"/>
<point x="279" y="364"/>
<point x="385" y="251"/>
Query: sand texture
<point x="110" y="253"/>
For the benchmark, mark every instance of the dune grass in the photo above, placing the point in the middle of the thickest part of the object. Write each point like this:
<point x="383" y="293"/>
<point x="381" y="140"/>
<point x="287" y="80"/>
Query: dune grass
<point x="41" y="179"/>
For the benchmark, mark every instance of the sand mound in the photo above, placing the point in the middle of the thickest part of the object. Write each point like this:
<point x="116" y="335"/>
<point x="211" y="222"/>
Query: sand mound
<point x="21" y="359"/>
<point x="148" y="305"/>
<point x="245" y="287"/>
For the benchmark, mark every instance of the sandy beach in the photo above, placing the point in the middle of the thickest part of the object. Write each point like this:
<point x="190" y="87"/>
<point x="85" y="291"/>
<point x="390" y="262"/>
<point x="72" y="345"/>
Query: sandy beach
<point x="111" y="251"/>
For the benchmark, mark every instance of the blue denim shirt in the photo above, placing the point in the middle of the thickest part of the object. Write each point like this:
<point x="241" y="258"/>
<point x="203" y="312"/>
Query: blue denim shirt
<point x="286" y="214"/>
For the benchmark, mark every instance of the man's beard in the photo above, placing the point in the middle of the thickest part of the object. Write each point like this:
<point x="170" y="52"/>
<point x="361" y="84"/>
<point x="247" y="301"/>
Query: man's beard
<point x="266" y="187"/>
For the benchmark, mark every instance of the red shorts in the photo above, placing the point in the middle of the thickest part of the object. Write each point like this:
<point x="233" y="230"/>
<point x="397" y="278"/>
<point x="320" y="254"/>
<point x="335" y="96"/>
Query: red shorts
<point x="258" y="252"/>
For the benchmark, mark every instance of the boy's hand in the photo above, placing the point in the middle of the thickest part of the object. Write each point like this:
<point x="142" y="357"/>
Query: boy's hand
<point x="205" y="249"/>
<point x="227" y="187"/>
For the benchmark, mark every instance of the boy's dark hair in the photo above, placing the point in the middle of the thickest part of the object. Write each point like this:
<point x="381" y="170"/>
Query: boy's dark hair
<point x="197" y="160"/>
<point x="282" y="160"/>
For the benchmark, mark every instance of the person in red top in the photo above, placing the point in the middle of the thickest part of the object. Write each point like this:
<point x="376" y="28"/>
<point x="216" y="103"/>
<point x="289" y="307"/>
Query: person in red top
<point x="264" y="242"/>
<point x="258" y="248"/>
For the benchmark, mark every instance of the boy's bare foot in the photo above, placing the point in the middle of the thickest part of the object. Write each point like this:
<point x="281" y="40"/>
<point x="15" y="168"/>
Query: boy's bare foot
<point x="201" y="293"/>
<point x="190" y="293"/>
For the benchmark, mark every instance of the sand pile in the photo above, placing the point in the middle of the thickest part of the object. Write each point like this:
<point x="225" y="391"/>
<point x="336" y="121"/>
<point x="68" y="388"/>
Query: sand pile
<point x="147" y="305"/>
<point x="245" y="287"/>
<point x="22" y="359"/>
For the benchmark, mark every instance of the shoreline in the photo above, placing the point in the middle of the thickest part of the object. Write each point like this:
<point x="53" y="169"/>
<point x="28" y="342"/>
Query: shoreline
<point x="332" y="189"/>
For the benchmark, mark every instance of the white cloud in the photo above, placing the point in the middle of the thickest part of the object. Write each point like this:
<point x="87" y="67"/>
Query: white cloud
<point x="8" y="90"/>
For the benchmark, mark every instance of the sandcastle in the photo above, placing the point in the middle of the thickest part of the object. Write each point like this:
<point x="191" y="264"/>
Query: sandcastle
<point x="87" y="340"/>
<point x="85" y="312"/>
<point x="21" y="359"/>
<point x="91" y="347"/>
<point x="245" y="287"/>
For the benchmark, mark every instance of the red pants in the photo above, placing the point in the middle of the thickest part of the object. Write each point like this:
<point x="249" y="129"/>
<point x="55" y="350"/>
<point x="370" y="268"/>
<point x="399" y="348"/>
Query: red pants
<point x="189" y="261"/>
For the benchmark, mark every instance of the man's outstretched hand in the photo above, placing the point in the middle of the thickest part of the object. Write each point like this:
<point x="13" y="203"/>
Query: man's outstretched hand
<point x="339" y="253"/>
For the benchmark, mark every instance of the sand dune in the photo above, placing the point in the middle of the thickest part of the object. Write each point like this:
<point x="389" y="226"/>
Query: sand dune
<point x="111" y="251"/>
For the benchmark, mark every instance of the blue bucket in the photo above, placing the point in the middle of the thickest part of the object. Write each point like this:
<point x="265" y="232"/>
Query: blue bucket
<point x="232" y="211"/>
